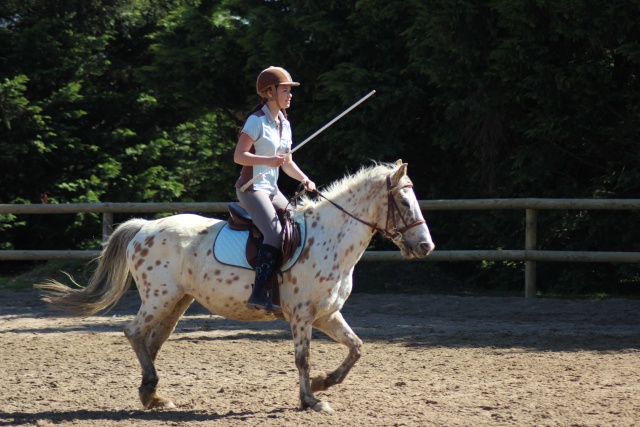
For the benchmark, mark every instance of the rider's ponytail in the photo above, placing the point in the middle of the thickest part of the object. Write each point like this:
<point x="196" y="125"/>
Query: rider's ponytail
<point x="255" y="109"/>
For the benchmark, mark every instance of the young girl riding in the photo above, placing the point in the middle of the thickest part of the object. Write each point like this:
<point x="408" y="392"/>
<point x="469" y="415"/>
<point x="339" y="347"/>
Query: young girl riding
<point x="262" y="148"/>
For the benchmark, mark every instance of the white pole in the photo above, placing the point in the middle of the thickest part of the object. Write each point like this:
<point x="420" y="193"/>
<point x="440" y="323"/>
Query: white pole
<point x="364" y="98"/>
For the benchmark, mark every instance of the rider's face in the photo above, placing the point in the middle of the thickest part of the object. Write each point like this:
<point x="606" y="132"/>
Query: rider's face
<point x="284" y="95"/>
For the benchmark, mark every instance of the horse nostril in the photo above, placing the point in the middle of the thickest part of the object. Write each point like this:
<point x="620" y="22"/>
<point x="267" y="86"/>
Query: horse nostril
<point x="428" y="246"/>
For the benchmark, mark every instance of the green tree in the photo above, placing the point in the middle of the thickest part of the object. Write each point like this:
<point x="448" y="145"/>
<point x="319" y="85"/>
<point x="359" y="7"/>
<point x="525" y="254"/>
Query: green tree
<point x="536" y="100"/>
<point x="79" y="125"/>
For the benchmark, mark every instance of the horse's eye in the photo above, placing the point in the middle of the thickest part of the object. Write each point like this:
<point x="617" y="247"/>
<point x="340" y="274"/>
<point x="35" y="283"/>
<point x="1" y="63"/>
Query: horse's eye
<point x="404" y="202"/>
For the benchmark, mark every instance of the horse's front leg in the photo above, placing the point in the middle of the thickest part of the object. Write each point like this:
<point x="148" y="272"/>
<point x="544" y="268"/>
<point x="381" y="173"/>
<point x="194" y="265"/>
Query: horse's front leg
<point x="337" y="328"/>
<point x="301" y="330"/>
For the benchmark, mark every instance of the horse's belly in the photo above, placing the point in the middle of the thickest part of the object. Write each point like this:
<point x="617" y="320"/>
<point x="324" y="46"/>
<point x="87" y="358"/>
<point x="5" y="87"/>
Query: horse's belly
<point x="231" y="306"/>
<point x="243" y="315"/>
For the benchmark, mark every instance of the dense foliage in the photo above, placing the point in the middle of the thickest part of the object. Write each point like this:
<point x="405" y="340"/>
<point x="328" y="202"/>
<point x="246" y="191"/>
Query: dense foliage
<point x="139" y="100"/>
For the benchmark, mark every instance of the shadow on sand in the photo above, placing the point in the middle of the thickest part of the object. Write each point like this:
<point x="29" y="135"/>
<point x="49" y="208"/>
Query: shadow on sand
<point x="22" y="418"/>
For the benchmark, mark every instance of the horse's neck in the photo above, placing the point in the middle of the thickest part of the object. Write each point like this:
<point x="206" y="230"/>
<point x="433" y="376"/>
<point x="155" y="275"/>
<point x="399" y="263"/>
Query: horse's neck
<point x="351" y="236"/>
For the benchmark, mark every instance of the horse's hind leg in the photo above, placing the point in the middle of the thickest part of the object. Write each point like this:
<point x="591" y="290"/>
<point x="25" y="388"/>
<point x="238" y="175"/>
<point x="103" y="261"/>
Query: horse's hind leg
<point x="146" y="348"/>
<point x="337" y="328"/>
<point x="165" y="327"/>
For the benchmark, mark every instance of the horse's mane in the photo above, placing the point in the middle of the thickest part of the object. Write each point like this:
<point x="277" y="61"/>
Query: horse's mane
<point x="362" y="177"/>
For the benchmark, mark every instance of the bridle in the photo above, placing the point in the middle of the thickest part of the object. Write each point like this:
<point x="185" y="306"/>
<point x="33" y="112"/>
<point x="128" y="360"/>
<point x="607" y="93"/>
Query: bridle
<point x="392" y="208"/>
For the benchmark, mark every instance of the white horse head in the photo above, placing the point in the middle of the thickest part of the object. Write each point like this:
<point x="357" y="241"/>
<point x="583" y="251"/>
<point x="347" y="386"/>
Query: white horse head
<point x="362" y="197"/>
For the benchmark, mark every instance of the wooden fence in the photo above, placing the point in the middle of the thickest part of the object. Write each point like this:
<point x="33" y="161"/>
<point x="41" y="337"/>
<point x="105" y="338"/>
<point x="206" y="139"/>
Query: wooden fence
<point x="529" y="255"/>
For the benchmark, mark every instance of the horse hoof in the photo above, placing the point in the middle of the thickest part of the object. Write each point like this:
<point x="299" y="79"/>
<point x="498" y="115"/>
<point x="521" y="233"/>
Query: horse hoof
<point x="161" y="403"/>
<point x="322" y="407"/>
<point x="167" y="405"/>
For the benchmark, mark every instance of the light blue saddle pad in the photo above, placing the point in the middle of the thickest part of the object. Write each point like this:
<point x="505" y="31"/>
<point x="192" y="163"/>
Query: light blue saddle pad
<point x="230" y="246"/>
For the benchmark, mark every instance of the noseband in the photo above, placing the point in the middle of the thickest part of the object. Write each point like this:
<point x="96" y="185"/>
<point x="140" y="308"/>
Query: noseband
<point x="392" y="208"/>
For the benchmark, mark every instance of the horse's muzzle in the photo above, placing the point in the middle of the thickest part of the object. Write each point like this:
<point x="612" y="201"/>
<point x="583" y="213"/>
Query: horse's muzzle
<point x="421" y="250"/>
<point x="427" y="247"/>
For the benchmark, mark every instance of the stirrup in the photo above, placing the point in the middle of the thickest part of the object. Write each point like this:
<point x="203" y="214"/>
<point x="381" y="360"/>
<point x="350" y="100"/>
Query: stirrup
<point x="268" y="306"/>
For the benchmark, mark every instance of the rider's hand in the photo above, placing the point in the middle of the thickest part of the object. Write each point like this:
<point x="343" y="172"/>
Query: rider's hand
<point x="277" y="160"/>
<point x="309" y="185"/>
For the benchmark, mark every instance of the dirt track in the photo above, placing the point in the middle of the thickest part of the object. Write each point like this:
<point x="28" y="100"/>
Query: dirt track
<point x="429" y="360"/>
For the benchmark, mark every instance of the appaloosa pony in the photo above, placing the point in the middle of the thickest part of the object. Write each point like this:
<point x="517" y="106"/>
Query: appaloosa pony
<point x="172" y="263"/>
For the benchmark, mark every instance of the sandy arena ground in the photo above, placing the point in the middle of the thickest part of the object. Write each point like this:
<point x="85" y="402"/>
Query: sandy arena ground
<point x="428" y="360"/>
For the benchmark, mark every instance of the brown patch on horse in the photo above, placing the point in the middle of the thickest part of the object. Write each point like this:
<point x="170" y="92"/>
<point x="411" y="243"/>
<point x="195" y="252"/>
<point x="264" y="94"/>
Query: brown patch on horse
<point x="149" y="241"/>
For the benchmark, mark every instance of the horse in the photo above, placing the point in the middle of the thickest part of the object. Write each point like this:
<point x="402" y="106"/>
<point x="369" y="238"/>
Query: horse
<point x="170" y="259"/>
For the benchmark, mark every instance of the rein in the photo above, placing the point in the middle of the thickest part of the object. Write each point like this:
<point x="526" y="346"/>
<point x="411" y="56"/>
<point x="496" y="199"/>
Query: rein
<point x="392" y="207"/>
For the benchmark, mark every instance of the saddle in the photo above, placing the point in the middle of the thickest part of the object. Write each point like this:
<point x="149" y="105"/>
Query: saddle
<point x="240" y="220"/>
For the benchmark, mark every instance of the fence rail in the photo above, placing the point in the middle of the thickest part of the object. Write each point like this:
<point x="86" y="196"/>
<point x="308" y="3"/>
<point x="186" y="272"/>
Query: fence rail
<point x="530" y="255"/>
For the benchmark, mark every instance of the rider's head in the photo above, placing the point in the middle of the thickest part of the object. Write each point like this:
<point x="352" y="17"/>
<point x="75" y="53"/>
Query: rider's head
<point x="269" y="80"/>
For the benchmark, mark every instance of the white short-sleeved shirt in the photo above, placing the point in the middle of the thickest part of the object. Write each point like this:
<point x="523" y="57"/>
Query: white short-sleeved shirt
<point x="268" y="140"/>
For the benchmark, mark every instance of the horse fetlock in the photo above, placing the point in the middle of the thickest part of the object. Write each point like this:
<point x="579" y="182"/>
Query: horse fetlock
<point x="308" y="401"/>
<point x="149" y="383"/>
<point x="356" y="352"/>
<point x="324" y="381"/>
<point x="147" y="392"/>
<point x="319" y="383"/>
<point x="150" y="399"/>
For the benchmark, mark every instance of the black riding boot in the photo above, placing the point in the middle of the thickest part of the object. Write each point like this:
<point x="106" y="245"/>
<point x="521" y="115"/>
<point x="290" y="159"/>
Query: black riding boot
<point x="262" y="294"/>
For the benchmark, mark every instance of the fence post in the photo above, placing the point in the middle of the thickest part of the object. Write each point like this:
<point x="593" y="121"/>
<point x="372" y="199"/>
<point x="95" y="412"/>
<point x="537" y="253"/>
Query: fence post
<point x="531" y="226"/>
<point x="107" y="225"/>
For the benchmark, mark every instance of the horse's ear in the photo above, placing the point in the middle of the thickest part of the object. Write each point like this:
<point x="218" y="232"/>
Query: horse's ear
<point x="401" y="172"/>
<point x="398" y="162"/>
